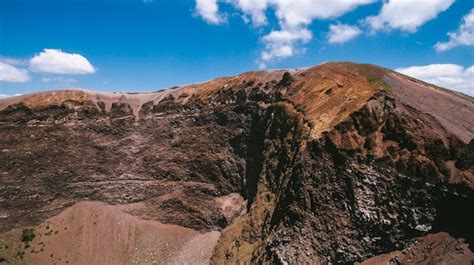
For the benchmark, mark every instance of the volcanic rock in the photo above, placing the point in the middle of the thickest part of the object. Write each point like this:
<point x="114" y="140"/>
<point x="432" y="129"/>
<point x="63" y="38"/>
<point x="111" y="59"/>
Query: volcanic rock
<point x="335" y="164"/>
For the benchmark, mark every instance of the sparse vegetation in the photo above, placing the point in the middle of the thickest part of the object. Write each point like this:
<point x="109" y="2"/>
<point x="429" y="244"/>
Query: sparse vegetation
<point x="379" y="83"/>
<point x="300" y="108"/>
<point x="20" y="254"/>
<point x="27" y="235"/>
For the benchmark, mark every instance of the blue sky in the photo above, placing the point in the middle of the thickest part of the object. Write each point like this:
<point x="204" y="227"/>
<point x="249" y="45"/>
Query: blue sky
<point x="136" y="45"/>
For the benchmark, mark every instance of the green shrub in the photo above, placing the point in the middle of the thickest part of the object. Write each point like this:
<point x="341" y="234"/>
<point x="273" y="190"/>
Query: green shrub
<point x="379" y="83"/>
<point x="300" y="108"/>
<point x="27" y="235"/>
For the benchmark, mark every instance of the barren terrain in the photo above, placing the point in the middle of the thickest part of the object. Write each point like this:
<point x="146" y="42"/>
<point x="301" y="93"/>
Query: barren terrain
<point x="340" y="163"/>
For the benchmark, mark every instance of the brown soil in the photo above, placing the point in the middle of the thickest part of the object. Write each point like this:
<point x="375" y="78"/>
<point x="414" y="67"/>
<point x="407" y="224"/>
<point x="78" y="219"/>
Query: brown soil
<point x="452" y="110"/>
<point x="97" y="233"/>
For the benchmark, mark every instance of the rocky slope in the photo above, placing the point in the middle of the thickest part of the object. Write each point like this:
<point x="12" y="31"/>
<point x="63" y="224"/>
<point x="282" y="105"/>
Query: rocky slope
<point x="339" y="163"/>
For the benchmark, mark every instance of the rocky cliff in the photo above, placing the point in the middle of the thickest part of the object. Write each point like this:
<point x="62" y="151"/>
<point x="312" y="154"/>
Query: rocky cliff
<point x="339" y="163"/>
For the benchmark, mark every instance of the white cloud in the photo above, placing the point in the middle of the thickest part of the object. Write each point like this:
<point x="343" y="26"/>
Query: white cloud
<point x="294" y="17"/>
<point x="464" y="35"/>
<point x="294" y="13"/>
<point x="302" y="12"/>
<point x="450" y="76"/>
<point x="209" y="11"/>
<point x="10" y="73"/>
<point x="407" y="15"/>
<point x="253" y="10"/>
<point x="280" y="51"/>
<point x="281" y="43"/>
<point x="58" y="62"/>
<point x="340" y="33"/>
<point x="288" y="36"/>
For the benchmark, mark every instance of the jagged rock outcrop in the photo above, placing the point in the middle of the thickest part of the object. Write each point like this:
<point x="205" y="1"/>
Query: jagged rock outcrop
<point x="332" y="164"/>
<point x="360" y="189"/>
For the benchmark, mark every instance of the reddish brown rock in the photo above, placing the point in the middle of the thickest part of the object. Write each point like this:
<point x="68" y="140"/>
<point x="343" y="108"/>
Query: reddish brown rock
<point x="337" y="163"/>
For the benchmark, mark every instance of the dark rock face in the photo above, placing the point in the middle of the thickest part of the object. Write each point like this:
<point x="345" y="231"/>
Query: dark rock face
<point x="438" y="248"/>
<point x="371" y="184"/>
<point x="59" y="157"/>
<point x="286" y="80"/>
<point x="385" y="197"/>
<point x="384" y="175"/>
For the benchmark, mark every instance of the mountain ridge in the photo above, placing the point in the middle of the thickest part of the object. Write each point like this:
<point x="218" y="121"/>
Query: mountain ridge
<point x="267" y="159"/>
<point x="377" y="78"/>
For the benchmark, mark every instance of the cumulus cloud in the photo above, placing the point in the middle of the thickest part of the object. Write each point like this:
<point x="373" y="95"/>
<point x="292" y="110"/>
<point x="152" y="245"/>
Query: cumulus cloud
<point x="407" y="15"/>
<point x="464" y="35"/>
<point x="288" y="36"/>
<point x="11" y="73"/>
<point x="295" y="13"/>
<point x="293" y="19"/>
<point x="283" y="43"/>
<point x="59" y="62"/>
<point x="280" y="43"/>
<point x="302" y="12"/>
<point x="340" y="33"/>
<point x="209" y="11"/>
<point x="254" y="11"/>
<point x="450" y="76"/>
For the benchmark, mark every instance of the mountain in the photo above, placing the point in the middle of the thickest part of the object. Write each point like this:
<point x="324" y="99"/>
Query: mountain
<point x="339" y="163"/>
